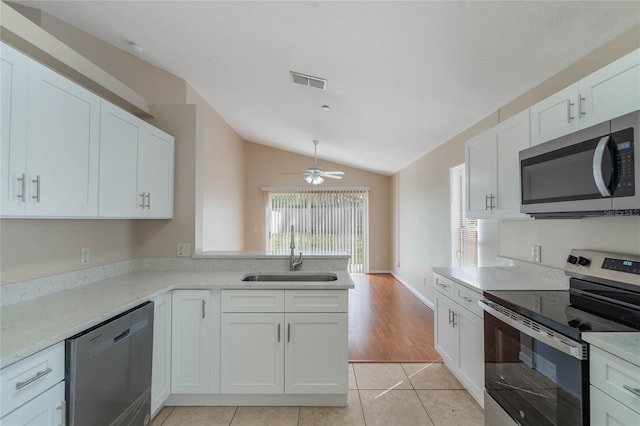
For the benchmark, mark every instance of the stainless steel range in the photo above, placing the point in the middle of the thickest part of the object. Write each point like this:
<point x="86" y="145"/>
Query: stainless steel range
<point x="536" y="362"/>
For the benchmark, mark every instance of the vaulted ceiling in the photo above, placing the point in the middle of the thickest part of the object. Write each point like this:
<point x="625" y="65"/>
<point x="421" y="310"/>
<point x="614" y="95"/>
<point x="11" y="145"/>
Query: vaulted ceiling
<point x="402" y="77"/>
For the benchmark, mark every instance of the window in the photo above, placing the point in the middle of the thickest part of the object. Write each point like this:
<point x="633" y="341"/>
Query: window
<point x="464" y="232"/>
<point x="325" y="220"/>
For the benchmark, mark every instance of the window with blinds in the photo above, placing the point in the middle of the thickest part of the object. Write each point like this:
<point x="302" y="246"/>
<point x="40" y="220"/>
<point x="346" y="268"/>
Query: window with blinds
<point x="325" y="220"/>
<point x="464" y="232"/>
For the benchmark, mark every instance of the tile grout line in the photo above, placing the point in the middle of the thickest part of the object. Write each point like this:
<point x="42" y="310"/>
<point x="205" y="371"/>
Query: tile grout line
<point x="234" y="415"/>
<point x="424" y="407"/>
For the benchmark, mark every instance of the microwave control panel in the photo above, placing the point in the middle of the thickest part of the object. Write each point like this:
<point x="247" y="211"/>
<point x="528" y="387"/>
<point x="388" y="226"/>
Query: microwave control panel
<point x="623" y="141"/>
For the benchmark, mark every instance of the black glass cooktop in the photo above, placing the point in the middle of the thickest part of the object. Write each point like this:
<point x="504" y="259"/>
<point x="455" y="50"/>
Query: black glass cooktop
<point x="568" y="312"/>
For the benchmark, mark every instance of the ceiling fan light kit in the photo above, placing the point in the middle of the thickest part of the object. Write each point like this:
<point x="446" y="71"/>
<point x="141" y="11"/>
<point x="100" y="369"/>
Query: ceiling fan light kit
<point x="315" y="175"/>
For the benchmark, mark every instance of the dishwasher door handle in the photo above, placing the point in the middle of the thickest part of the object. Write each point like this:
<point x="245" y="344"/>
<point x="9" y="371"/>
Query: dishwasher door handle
<point x="122" y="335"/>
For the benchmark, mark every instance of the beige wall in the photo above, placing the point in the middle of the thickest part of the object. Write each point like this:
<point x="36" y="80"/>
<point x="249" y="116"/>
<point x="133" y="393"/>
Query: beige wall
<point x="266" y="166"/>
<point x="421" y="218"/>
<point x="221" y="181"/>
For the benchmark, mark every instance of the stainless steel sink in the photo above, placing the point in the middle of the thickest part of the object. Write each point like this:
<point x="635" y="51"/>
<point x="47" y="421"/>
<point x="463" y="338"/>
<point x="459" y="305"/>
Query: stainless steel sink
<point x="293" y="276"/>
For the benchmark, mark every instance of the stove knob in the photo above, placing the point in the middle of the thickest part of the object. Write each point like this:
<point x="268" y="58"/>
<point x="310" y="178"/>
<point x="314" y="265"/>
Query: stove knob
<point x="584" y="326"/>
<point x="572" y="259"/>
<point x="574" y="323"/>
<point x="583" y="261"/>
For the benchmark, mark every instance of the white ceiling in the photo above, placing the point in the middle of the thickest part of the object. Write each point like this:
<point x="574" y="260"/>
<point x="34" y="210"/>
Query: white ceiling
<point x="402" y="77"/>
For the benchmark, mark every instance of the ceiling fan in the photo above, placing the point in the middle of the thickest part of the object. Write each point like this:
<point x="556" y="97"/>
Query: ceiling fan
<point x="315" y="175"/>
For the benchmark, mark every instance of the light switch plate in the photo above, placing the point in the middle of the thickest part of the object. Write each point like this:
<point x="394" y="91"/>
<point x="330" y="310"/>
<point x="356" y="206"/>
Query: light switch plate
<point x="536" y="253"/>
<point x="85" y="256"/>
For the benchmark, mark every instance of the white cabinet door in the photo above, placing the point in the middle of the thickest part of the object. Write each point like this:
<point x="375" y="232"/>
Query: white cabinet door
<point x="13" y="125"/>
<point x="606" y="411"/>
<point x="446" y="336"/>
<point x="62" y="146"/>
<point x="161" y="367"/>
<point x="44" y="410"/>
<point x="512" y="136"/>
<point x="471" y="334"/>
<point x="191" y="342"/>
<point x="555" y="116"/>
<point x="317" y="355"/>
<point x="252" y="353"/>
<point x="611" y="91"/>
<point x="156" y="173"/>
<point x="480" y="169"/>
<point x="121" y="139"/>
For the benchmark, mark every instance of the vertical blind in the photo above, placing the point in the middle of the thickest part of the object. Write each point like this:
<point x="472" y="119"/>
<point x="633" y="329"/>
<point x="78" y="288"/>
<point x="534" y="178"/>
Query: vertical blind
<point x="464" y="232"/>
<point x="325" y="220"/>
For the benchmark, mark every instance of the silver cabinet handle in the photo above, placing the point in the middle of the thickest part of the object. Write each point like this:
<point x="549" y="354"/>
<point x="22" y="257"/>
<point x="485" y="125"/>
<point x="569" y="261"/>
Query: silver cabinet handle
<point x="23" y="185"/>
<point x="492" y="198"/>
<point x="466" y="299"/>
<point x="634" y="391"/>
<point x="453" y="320"/>
<point x="598" y="156"/>
<point x="581" y="110"/>
<point x="38" y="375"/>
<point x="278" y="333"/>
<point x="37" y="182"/>
<point x="142" y="195"/>
<point x="289" y="332"/>
<point x="63" y="414"/>
<point x="486" y="201"/>
<point x="148" y="200"/>
<point x="569" y="117"/>
<point x="203" y="309"/>
<point x="449" y="316"/>
<point x="442" y="284"/>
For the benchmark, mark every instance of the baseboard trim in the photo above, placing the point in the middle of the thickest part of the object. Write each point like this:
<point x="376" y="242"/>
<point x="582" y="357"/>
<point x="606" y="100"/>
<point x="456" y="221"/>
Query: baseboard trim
<point x="416" y="293"/>
<point x="328" y="400"/>
<point x="380" y="271"/>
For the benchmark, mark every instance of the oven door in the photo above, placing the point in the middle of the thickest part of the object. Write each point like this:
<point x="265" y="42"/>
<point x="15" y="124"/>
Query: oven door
<point x="536" y="382"/>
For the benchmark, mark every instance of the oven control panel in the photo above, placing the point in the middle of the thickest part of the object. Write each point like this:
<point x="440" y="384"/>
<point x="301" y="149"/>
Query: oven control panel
<point x="611" y="266"/>
<point x="622" y="265"/>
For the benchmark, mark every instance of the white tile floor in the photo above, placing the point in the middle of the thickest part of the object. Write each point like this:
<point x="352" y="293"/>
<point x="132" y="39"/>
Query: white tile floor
<point x="379" y="394"/>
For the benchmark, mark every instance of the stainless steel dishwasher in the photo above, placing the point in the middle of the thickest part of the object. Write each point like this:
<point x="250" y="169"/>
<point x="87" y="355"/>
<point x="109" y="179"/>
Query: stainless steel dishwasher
<point x="108" y="371"/>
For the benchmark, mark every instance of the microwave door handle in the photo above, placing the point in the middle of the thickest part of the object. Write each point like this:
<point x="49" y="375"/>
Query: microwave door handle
<point x="598" y="157"/>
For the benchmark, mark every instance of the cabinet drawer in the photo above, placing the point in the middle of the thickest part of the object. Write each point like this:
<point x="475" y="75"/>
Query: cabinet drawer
<point x="444" y="285"/>
<point x="252" y="300"/>
<point x="24" y="380"/>
<point x="468" y="299"/>
<point x="606" y="411"/>
<point x="316" y="300"/>
<point x="611" y="374"/>
<point x="45" y="409"/>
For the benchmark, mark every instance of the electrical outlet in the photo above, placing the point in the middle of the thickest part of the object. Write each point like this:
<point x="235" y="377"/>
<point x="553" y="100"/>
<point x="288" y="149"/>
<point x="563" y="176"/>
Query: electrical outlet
<point x="85" y="256"/>
<point x="536" y="253"/>
<point x="184" y="250"/>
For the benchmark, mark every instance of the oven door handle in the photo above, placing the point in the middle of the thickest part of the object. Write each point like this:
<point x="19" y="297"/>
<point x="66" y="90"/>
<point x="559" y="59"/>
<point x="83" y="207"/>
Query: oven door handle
<point x="535" y="330"/>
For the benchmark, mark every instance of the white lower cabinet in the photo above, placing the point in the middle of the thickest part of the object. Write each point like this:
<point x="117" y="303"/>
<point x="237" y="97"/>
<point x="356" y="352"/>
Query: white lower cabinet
<point x="615" y="389"/>
<point x="191" y="341"/>
<point x="459" y="334"/>
<point x="45" y="410"/>
<point x="161" y="368"/>
<point x="288" y="352"/>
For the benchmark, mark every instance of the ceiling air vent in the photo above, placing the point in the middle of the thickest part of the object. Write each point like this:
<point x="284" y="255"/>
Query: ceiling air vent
<point x="307" y="80"/>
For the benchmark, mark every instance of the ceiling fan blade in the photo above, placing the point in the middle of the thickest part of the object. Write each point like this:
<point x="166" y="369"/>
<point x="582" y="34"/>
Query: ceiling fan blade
<point x="332" y="176"/>
<point x="337" y="172"/>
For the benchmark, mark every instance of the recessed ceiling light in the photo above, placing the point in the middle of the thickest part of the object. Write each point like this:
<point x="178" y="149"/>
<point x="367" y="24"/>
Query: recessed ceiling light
<point x="326" y="107"/>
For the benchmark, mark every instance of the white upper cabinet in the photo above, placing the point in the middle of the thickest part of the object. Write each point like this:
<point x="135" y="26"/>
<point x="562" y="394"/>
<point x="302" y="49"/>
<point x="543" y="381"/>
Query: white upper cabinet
<point x="136" y="167"/>
<point x="68" y="154"/>
<point x="49" y="142"/>
<point x="120" y="144"/>
<point x="611" y="91"/>
<point x="492" y="169"/>
<point x="13" y="95"/>
<point x="156" y="173"/>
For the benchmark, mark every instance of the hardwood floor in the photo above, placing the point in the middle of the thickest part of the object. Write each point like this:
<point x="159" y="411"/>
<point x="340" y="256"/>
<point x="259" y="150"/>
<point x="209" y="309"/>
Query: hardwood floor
<point x="387" y="323"/>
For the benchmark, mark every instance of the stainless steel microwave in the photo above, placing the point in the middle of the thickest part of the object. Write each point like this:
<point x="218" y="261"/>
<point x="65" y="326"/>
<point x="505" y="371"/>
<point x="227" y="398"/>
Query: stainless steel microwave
<point x="592" y="172"/>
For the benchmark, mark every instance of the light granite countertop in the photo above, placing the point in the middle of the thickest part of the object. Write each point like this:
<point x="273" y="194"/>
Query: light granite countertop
<point x="506" y="278"/>
<point x="35" y="324"/>
<point x="625" y="345"/>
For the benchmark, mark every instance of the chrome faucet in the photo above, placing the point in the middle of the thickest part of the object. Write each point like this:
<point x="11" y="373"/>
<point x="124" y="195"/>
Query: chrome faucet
<point x="294" y="263"/>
